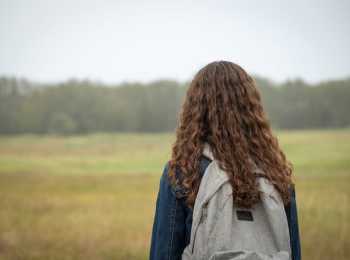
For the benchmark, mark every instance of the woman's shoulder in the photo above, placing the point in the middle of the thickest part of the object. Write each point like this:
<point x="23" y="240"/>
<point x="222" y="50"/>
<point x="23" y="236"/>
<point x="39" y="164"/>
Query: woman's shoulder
<point x="176" y="188"/>
<point x="165" y="174"/>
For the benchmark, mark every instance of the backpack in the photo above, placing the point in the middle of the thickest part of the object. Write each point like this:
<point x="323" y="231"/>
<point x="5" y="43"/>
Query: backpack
<point x="222" y="231"/>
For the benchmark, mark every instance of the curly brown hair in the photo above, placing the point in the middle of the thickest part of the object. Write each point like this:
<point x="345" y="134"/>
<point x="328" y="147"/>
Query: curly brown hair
<point x="223" y="108"/>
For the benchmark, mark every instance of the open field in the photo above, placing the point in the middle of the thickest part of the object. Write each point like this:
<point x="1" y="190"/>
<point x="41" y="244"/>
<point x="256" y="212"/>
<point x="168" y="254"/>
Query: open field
<point x="93" y="197"/>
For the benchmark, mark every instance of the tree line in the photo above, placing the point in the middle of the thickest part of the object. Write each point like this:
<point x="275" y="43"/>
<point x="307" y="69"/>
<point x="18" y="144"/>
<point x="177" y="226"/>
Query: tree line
<point x="75" y="107"/>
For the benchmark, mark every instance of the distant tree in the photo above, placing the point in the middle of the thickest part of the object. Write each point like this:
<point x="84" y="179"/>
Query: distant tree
<point x="84" y="107"/>
<point x="61" y="124"/>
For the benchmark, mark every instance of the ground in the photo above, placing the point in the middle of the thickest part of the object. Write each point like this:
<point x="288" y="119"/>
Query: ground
<point x="93" y="196"/>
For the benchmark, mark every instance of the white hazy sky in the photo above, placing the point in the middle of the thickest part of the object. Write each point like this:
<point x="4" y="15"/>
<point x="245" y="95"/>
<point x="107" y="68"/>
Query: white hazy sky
<point x="114" y="41"/>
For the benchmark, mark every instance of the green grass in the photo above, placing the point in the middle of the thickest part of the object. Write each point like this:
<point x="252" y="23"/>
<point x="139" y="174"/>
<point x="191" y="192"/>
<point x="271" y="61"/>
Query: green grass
<point x="93" y="197"/>
<point x="91" y="154"/>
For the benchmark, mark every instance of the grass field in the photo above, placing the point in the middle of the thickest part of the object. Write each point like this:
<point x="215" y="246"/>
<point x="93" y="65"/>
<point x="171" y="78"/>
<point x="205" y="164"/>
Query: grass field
<point x="93" y="197"/>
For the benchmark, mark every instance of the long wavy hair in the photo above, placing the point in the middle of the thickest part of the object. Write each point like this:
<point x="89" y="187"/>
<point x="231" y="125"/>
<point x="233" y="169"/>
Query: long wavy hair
<point x="223" y="108"/>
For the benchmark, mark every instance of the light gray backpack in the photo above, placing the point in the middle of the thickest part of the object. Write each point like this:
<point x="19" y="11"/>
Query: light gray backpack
<point x="221" y="231"/>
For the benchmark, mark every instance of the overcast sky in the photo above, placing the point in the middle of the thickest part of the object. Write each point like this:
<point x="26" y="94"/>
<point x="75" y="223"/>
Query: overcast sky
<point x="115" y="41"/>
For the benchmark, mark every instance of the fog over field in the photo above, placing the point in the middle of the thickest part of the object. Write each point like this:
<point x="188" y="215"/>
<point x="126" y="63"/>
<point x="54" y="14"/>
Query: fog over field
<point x="90" y="95"/>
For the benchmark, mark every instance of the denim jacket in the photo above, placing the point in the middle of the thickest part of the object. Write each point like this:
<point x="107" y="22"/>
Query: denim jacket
<point x="173" y="220"/>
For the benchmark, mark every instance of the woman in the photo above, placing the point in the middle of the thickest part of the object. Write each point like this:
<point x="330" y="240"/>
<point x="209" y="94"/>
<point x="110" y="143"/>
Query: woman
<point x="222" y="110"/>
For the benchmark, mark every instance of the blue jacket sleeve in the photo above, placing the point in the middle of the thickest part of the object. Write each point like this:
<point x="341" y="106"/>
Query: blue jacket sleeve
<point x="168" y="234"/>
<point x="292" y="216"/>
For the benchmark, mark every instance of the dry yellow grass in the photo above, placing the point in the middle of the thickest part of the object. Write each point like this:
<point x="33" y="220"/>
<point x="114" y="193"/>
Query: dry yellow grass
<point x="93" y="197"/>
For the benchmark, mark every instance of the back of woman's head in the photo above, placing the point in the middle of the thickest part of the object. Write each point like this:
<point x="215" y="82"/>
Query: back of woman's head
<point x="223" y="108"/>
